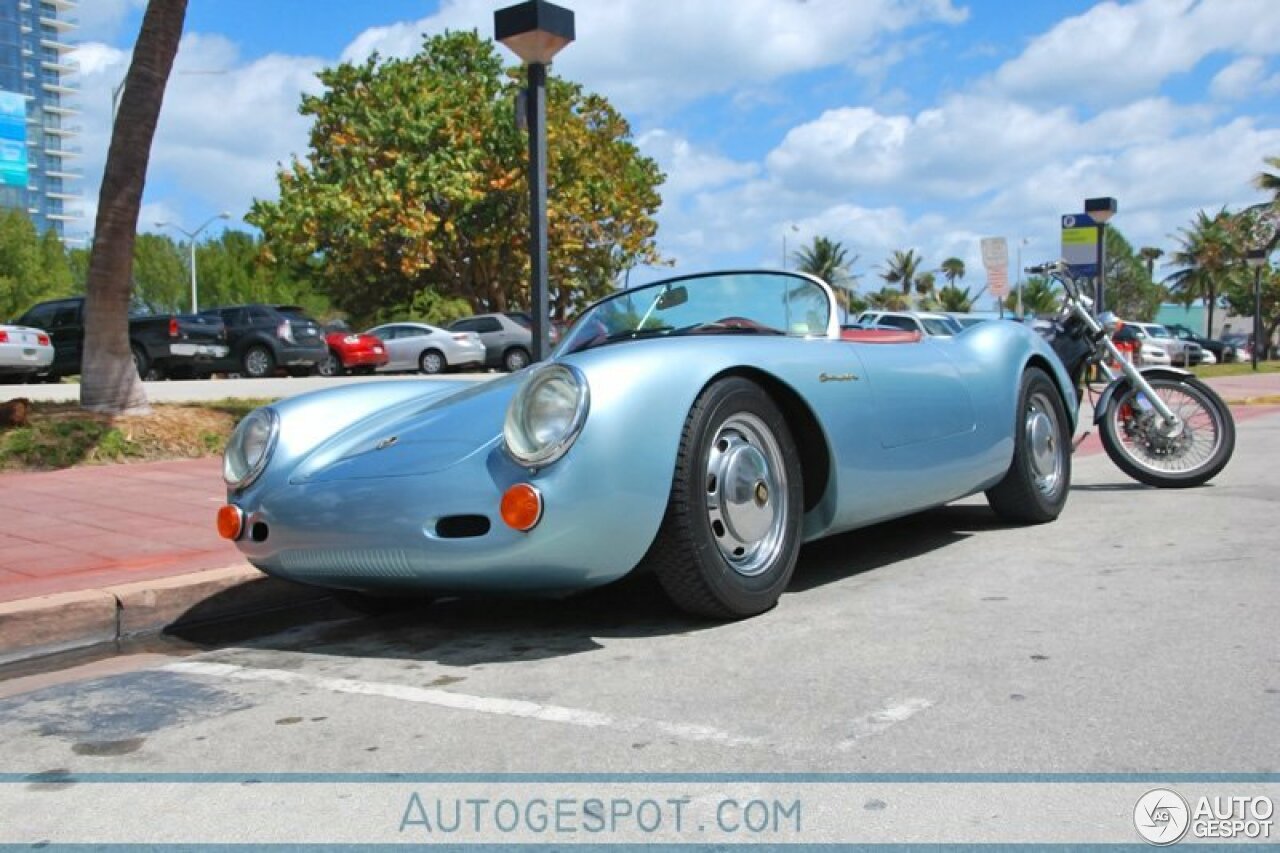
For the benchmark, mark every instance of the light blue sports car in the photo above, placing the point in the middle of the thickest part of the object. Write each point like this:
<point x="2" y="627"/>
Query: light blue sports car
<point x="702" y="427"/>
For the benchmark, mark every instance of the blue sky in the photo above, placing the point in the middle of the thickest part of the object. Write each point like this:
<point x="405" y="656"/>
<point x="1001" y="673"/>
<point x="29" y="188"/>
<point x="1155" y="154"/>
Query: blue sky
<point x="884" y="124"/>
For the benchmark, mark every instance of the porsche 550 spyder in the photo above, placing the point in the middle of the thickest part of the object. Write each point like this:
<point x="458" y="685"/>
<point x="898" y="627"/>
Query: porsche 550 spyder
<point x="702" y="427"/>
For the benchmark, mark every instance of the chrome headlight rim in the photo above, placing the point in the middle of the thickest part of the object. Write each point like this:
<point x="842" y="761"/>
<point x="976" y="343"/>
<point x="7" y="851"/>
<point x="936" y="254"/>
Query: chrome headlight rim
<point x="553" y="451"/>
<point x="255" y="470"/>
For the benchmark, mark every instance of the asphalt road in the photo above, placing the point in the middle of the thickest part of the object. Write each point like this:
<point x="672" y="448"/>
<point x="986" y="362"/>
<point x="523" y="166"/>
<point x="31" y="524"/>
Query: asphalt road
<point x="1135" y="635"/>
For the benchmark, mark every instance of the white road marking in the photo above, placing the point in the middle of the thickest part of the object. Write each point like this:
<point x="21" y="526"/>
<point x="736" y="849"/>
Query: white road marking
<point x="873" y="724"/>
<point x="467" y="702"/>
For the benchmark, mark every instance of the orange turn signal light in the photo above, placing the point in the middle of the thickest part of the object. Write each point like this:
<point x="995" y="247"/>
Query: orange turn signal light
<point x="522" y="506"/>
<point x="230" y="522"/>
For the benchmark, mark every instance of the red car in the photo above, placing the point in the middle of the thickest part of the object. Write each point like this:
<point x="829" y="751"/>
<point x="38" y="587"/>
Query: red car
<point x="352" y="352"/>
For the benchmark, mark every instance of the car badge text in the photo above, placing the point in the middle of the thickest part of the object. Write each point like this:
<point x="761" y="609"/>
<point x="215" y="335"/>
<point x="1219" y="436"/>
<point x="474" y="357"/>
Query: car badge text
<point x="837" y="377"/>
<point x="386" y="442"/>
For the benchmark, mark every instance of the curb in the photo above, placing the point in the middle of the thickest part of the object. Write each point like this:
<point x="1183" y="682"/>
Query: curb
<point x="49" y="624"/>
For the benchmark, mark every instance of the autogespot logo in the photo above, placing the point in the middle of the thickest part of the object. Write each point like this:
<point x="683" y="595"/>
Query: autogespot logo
<point x="1161" y="816"/>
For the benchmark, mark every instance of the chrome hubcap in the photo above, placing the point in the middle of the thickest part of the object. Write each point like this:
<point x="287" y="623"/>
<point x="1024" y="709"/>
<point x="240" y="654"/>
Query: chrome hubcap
<point x="1044" y="444"/>
<point x="257" y="363"/>
<point x="746" y="488"/>
<point x="432" y="363"/>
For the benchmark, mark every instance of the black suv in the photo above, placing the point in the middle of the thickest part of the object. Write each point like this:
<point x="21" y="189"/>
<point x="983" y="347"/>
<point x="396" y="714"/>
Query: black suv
<point x="1223" y="352"/>
<point x="263" y="338"/>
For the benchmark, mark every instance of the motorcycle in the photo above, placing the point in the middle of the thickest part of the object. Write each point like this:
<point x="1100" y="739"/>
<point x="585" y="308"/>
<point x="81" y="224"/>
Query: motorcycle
<point x="1159" y="425"/>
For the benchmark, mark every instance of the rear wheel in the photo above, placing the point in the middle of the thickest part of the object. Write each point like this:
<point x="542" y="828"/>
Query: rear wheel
<point x="729" y="540"/>
<point x="515" y="359"/>
<point x="258" y="362"/>
<point x="331" y="366"/>
<point x="432" y="361"/>
<point x="1034" y="490"/>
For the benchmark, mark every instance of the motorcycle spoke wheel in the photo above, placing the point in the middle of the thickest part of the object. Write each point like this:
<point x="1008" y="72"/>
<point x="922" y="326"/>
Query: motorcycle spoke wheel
<point x="1142" y="437"/>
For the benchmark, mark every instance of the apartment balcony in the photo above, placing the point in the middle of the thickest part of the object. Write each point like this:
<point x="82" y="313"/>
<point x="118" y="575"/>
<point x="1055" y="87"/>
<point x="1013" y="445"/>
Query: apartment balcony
<point x="62" y="87"/>
<point x="53" y="44"/>
<point x="65" y="151"/>
<point x="66" y="215"/>
<point x="64" y="196"/>
<point x="62" y="66"/>
<point x="60" y="24"/>
<point x="61" y="5"/>
<point x="61" y="110"/>
<point x="65" y="174"/>
<point x="65" y="130"/>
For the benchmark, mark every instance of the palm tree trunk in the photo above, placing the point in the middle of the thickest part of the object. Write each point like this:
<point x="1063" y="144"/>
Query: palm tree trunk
<point x="108" y="380"/>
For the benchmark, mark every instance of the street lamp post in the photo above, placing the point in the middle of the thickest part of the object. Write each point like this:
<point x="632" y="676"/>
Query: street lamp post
<point x="794" y="228"/>
<point x="1023" y="242"/>
<point x="535" y="31"/>
<point x="1100" y="210"/>
<point x="1256" y="258"/>
<point x="191" y="238"/>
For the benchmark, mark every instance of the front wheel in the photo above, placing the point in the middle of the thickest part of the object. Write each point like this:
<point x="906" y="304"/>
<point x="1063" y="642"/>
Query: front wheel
<point x="729" y="540"/>
<point x="1034" y="489"/>
<point x="331" y="366"/>
<point x="1188" y="454"/>
<point x="432" y="362"/>
<point x="515" y="359"/>
<point x="258" y="362"/>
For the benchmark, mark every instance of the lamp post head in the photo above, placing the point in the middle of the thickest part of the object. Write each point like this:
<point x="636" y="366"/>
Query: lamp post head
<point x="535" y="31"/>
<point x="1101" y="209"/>
<point x="1256" y="258"/>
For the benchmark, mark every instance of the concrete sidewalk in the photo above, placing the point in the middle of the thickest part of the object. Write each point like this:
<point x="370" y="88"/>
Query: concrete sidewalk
<point x="95" y="553"/>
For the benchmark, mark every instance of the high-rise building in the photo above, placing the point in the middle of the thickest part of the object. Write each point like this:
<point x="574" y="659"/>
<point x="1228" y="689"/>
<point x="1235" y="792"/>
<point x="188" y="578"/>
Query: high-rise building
<point x="38" y="113"/>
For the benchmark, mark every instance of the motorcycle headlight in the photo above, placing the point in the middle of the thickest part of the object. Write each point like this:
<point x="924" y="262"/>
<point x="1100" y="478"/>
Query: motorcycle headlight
<point x="250" y="448"/>
<point x="546" y="415"/>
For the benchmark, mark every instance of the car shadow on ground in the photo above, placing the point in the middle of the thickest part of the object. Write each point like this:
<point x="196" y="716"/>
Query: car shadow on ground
<point x="464" y="632"/>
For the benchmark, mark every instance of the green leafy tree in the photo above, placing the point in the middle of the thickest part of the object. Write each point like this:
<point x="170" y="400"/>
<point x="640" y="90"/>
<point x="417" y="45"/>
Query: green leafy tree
<point x="952" y="298"/>
<point x="1207" y="252"/>
<point x="902" y="268"/>
<point x="1038" y="297"/>
<point x="415" y="181"/>
<point x="829" y="261"/>
<point x="888" y="299"/>
<point x="160" y="275"/>
<point x="109" y="381"/>
<point x="32" y="268"/>
<point x="1131" y="293"/>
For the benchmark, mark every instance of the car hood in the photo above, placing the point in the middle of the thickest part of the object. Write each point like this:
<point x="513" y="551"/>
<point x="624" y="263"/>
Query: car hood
<point x="413" y="437"/>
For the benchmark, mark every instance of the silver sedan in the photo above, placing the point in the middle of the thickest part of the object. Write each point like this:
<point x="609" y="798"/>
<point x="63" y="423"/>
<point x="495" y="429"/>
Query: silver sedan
<point x="419" y="346"/>
<point x="25" y="351"/>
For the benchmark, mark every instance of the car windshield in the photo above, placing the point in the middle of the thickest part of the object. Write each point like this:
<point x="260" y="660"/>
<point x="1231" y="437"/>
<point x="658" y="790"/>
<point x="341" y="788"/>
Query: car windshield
<point x="935" y="326"/>
<point x="721" y="303"/>
<point x="1158" y="331"/>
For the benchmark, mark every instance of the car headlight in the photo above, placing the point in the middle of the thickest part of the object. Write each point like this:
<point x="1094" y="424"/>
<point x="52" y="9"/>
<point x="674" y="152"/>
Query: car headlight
<point x="250" y="447"/>
<point x="546" y="414"/>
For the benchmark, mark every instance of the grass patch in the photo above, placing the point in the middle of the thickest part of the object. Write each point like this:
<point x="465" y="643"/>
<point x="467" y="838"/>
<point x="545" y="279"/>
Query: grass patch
<point x="1209" y="371"/>
<point x="61" y="435"/>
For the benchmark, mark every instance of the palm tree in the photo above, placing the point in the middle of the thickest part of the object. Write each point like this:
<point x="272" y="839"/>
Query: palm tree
<point x="1268" y="182"/>
<point x="953" y="269"/>
<point x="887" y="299"/>
<point x="1150" y="254"/>
<point x="952" y="298"/>
<point x="1207" y="255"/>
<point x="109" y="381"/>
<point x="829" y="261"/>
<point x="902" y="269"/>
<point x="1038" y="297"/>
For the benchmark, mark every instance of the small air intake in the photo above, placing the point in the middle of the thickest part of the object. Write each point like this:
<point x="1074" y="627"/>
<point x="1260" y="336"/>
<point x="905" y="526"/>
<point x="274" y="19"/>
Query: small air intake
<point x="462" y="526"/>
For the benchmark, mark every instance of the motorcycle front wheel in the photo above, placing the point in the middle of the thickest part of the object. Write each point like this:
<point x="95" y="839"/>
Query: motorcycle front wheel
<point x="1137" y="440"/>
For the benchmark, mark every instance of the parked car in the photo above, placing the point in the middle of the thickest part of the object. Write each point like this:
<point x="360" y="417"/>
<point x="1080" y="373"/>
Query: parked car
<point x="1181" y="352"/>
<point x="352" y="352"/>
<point x="688" y="427"/>
<point x="1133" y="337"/>
<point x="24" y="352"/>
<point x="925" y="323"/>
<point x="1241" y="345"/>
<point x="263" y="338"/>
<point x="427" y="348"/>
<point x="178" y="345"/>
<point x="1219" y="349"/>
<point x="508" y="341"/>
<point x="969" y="320"/>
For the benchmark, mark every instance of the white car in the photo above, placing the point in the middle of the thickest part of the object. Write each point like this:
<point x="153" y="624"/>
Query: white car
<point x="938" y="325"/>
<point x="419" y="346"/>
<point x="1153" y="355"/>
<point x="1183" y="353"/>
<point x="24" y="352"/>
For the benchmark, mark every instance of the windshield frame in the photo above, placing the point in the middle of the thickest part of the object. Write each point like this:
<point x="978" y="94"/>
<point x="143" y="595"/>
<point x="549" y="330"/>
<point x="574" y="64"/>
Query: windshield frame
<point x="833" y="312"/>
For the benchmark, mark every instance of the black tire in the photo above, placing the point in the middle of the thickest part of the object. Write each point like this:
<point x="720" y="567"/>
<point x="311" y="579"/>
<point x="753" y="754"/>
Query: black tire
<point x="331" y="366"/>
<point x="380" y="604"/>
<point x="516" y="358"/>
<point x="140" y="361"/>
<point x="731" y="429"/>
<point x="432" y="361"/>
<point x="1035" y="488"/>
<point x="258" y="362"/>
<point x="1192" y="458"/>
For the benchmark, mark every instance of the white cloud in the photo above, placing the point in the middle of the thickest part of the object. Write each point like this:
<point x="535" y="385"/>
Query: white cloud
<point x="689" y="168"/>
<point x="1245" y="77"/>
<point x="1114" y="52"/>
<point x="102" y="20"/>
<point x="649" y="55"/>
